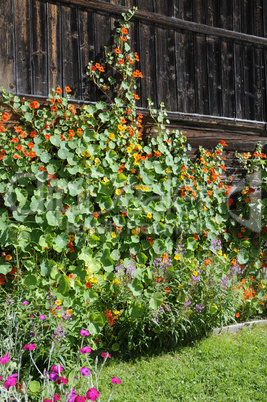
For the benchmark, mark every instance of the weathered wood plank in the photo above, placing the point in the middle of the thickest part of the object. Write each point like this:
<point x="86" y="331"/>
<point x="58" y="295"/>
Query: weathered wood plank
<point x="22" y="46"/>
<point x="225" y="18"/>
<point x="168" y="21"/>
<point x="258" y="17"/>
<point x="87" y="52"/>
<point x="70" y="50"/>
<point x="7" y="59"/>
<point x="247" y="17"/>
<point x="166" y="77"/>
<point x="228" y="78"/>
<point x="212" y="13"/>
<point x="185" y="72"/>
<point x="239" y="80"/>
<point x="55" y="76"/>
<point x="236" y="15"/>
<point x="214" y="76"/>
<point x="145" y="5"/>
<point x="147" y="63"/>
<point x="39" y="47"/>
<point x="199" y="11"/>
<point x="249" y="83"/>
<point x="201" y="74"/>
<point x="260" y="85"/>
<point x="165" y="7"/>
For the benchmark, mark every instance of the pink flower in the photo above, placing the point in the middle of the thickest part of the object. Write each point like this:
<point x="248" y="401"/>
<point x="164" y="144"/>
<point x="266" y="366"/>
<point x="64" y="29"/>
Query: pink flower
<point x="30" y="347"/>
<point x="92" y="394"/>
<point x="85" y="349"/>
<point x="115" y="380"/>
<point x="48" y="400"/>
<point x="4" y="359"/>
<point x="24" y="303"/>
<point x="56" y="397"/>
<point x="84" y="332"/>
<point x="104" y="355"/>
<point x="9" y="382"/>
<point x="42" y="317"/>
<point x="56" y="367"/>
<point x="31" y="315"/>
<point x="80" y="399"/>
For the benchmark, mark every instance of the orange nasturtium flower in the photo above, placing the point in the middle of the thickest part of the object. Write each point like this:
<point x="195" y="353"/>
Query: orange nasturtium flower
<point x="58" y="90"/>
<point x="67" y="89"/>
<point x="8" y="257"/>
<point x="95" y="215"/>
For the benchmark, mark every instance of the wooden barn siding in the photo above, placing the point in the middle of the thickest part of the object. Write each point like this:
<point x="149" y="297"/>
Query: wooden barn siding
<point x="195" y="69"/>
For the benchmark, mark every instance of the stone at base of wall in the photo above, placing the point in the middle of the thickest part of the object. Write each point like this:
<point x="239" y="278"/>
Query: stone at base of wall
<point x="237" y="327"/>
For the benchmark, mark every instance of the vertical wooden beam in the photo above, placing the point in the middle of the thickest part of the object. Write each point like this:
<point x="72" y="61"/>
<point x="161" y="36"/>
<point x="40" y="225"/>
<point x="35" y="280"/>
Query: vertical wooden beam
<point x="22" y="46"/>
<point x="70" y="50"/>
<point x="54" y="46"/>
<point x="7" y="46"/>
<point x="87" y="52"/>
<point x="39" y="48"/>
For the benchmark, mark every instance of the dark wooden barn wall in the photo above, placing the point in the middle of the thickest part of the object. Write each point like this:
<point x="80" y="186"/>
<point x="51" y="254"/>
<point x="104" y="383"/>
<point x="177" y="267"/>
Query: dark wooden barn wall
<point x="194" y="70"/>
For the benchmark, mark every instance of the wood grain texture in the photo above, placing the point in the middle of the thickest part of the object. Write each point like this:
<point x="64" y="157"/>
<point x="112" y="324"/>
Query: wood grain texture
<point x="39" y="47"/>
<point x="87" y="52"/>
<point x="55" y="75"/>
<point x="7" y="45"/>
<point x="23" y="46"/>
<point x="71" y="50"/>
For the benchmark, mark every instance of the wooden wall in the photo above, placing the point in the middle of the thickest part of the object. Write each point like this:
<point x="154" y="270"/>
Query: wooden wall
<point x="205" y="59"/>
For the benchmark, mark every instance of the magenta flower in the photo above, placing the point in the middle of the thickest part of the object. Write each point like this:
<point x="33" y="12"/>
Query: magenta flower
<point x="4" y="359"/>
<point x="115" y="380"/>
<point x="31" y="315"/>
<point x="84" y="332"/>
<point x="56" y="397"/>
<point x="104" y="355"/>
<point x="30" y="347"/>
<point x="56" y="367"/>
<point x="85" y="349"/>
<point x="80" y="399"/>
<point x="42" y="317"/>
<point x="48" y="400"/>
<point x="10" y="381"/>
<point x="24" y="303"/>
<point x="85" y="371"/>
<point x="92" y="394"/>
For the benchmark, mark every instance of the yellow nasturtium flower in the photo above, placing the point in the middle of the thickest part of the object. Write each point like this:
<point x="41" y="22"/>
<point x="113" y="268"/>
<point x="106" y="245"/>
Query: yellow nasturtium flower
<point x="111" y="136"/>
<point x="149" y="216"/>
<point x="129" y="149"/>
<point x="113" y="234"/>
<point x="177" y="257"/>
<point x="168" y="170"/>
<point x="118" y="191"/>
<point x="97" y="160"/>
<point x="93" y="280"/>
<point x="195" y="273"/>
<point x="116" y="312"/>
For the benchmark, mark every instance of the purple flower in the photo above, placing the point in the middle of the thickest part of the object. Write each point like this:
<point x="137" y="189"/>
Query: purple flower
<point x="84" y="332"/>
<point x="92" y="394"/>
<point x="42" y="317"/>
<point x="53" y="376"/>
<point x="30" y="347"/>
<point x="57" y="367"/>
<point x="24" y="303"/>
<point x="4" y="359"/>
<point x="85" y="349"/>
<point x="85" y="371"/>
<point x="115" y="380"/>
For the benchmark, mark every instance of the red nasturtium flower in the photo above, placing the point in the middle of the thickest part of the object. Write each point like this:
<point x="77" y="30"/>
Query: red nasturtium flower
<point x="15" y="140"/>
<point x="58" y="90"/>
<point x="32" y="154"/>
<point x="54" y="108"/>
<point x="196" y="237"/>
<point x="31" y="145"/>
<point x="34" y="105"/>
<point x="124" y="213"/>
<point x="167" y="290"/>
<point x="95" y="215"/>
<point x="88" y="285"/>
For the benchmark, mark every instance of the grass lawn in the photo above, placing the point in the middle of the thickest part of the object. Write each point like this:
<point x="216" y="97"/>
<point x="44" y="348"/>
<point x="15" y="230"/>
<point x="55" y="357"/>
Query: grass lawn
<point x="230" y="367"/>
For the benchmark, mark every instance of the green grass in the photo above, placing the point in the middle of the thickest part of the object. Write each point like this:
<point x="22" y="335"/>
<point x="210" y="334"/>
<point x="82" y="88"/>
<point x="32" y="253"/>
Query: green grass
<point x="230" y="367"/>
